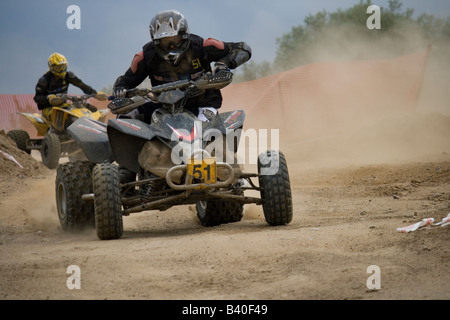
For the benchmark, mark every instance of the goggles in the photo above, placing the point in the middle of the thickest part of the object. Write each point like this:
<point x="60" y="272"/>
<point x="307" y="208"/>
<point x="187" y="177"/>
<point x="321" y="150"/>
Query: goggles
<point x="59" y="68"/>
<point x="170" y="43"/>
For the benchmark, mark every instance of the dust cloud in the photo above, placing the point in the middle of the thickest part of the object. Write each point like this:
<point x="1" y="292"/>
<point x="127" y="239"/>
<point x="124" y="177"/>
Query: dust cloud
<point x="41" y="216"/>
<point x="347" y="43"/>
<point x="372" y="126"/>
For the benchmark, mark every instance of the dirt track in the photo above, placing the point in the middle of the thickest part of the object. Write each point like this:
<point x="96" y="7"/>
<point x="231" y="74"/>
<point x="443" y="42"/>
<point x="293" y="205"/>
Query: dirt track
<point x="349" y="198"/>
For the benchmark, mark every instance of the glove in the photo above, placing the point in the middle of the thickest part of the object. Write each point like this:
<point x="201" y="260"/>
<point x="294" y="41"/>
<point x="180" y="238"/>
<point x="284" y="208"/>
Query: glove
<point x="119" y="93"/>
<point x="206" y="114"/>
<point x="219" y="66"/>
<point x="91" y="107"/>
<point x="101" y="96"/>
<point x="55" y="100"/>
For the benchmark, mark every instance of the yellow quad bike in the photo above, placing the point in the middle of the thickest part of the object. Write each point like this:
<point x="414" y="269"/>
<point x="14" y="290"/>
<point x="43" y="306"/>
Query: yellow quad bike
<point x="56" y="141"/>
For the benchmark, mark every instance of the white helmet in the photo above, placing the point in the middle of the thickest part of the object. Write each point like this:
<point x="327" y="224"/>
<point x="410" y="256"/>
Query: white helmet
<point x="169" y="31"/>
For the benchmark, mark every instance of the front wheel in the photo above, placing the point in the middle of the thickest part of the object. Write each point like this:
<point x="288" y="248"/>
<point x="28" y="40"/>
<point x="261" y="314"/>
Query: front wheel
<point x="107" y="201"/>
<point x="50" y="150"/>
<point x="275" y="188"/>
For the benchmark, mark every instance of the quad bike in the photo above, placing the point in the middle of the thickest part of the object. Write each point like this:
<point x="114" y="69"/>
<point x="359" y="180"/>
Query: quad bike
<point x="174" y="160"/>
<point x="56" y="141"/>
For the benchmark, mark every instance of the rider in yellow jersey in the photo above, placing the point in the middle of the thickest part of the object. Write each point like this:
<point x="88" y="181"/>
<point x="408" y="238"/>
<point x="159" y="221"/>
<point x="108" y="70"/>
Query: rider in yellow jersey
<point x="56" y="81"/>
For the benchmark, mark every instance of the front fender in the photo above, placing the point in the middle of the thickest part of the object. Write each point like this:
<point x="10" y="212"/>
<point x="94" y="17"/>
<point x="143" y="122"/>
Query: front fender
<point x="61" y="114"/>
<point x="92" y="137"/>
<point x="99" y="115"/>
<point x="38" y="121"/>
<point x="75" y="112"/>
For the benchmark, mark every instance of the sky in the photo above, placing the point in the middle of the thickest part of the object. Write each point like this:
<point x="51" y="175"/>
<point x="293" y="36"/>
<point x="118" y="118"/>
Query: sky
<point x="111" y="32"/>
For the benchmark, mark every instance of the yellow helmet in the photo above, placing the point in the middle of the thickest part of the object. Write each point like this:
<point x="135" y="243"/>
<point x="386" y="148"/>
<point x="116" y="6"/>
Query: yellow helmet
<point x="57" y="64"/>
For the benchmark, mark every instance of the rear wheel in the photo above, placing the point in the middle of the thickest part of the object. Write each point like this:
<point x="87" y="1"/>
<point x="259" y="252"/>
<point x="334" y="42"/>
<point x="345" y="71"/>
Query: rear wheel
<point x="73" y="179"/>
<point x="20" y="137"/>
<point x="275" y="188"/>
<point x="50" y="150"/>
<point x="107" y="201"/>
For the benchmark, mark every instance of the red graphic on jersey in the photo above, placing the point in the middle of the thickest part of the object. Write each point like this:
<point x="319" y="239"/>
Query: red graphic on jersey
<point x="138" y="57"/>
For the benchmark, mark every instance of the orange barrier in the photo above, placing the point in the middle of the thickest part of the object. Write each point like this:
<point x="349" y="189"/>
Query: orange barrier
<point x="311" y="101"/>
<point x="10" y="105"/>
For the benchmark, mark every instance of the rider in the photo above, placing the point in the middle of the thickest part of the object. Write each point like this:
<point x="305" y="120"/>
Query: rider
<point x="56" y="81"/>
<point x="176" y="54"/>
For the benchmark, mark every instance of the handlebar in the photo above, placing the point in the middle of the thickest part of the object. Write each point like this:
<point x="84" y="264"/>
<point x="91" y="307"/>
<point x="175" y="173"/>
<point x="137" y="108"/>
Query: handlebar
<point x="206" y="81"/>
<point x="78" y="101"/>
<point x="77" y="98"/>
<point x="185" y="88"/>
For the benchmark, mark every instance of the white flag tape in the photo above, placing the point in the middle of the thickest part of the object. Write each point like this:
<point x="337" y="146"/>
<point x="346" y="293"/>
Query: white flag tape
<point x="444" y="222"/>
<point x="10" y="157"/>
<point x="425" y="222"/>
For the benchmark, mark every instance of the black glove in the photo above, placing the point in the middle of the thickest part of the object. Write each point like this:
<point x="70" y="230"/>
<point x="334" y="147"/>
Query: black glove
<point x="119" y="92"/>
<point x="206" y="114"/>
<point x="219" y="66"/>
<point x="55" y="100"/>
<point x="91" y="107"/>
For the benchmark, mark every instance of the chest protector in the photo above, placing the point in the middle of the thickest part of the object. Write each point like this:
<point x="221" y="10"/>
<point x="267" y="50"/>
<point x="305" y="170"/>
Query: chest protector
<point x="193" y="63"/>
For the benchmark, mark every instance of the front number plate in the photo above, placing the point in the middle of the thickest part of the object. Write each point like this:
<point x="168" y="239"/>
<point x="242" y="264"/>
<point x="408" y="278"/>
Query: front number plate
<point x="204" y="170"/>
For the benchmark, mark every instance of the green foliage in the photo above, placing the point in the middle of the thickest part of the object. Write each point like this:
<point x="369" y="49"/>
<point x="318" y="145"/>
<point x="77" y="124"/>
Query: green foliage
<point x="433" y="28"/>
<point x="343" y="35"/>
